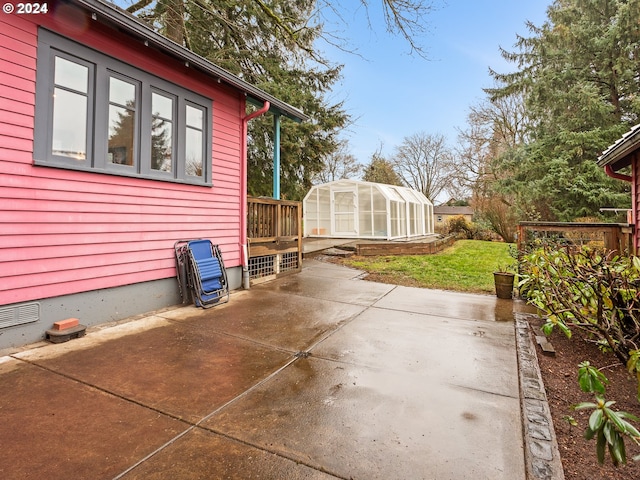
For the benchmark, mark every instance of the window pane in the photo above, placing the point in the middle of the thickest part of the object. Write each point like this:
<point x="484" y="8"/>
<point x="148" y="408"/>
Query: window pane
<point x="121" y="133"/>
<point x="194" y="117"/>
<point x="162" y="133"/>
<point x="69" y="124"/>
<point x="344" y="202"/>
<point x="122" y="122"/>
<point x="161" y="145"/>
<point x="71" y="75"/>
<point x="121" y="92"/>
<point x="194" y="153"/>
<point x="162" y="106"/>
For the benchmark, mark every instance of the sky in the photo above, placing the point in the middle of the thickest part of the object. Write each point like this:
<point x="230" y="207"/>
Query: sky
<point x="392" y="94"/>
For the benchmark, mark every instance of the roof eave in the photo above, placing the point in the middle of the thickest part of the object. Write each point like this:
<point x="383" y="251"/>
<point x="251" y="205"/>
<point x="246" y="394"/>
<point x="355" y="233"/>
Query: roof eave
<point x="618" y="154"/>
<point x="133" y="25"/>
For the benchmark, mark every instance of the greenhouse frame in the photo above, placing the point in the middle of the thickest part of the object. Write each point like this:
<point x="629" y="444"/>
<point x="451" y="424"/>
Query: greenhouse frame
<point x="356" y="209"/>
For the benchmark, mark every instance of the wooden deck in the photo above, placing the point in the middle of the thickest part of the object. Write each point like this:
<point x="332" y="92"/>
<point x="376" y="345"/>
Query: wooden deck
<point x="275" y="240"/>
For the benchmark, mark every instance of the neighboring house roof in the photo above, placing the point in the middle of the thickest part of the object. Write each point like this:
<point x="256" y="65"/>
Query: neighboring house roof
<point x="447" y="210"/>
<point x="105" y="11"/>
<point x="617" y="155"/>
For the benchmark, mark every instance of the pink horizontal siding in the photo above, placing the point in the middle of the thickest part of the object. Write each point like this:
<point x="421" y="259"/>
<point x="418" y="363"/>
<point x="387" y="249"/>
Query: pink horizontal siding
<point x="635" y="198"/>
<point x="64" y="231"/>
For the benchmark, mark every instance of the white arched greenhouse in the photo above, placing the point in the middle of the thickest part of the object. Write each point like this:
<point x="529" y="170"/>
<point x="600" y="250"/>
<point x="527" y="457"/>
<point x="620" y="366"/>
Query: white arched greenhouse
<point x="355" y="209"/>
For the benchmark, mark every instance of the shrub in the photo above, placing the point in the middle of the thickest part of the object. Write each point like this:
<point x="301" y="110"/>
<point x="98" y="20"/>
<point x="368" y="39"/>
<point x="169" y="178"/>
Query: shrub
<point x="607" y="426"/>
<point x="587" y="289"/>
<point x="461" y="228"/>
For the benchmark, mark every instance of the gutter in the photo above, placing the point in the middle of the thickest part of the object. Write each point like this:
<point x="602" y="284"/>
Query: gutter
<point x="243" y="193"/>
<point x="618" y="176"/>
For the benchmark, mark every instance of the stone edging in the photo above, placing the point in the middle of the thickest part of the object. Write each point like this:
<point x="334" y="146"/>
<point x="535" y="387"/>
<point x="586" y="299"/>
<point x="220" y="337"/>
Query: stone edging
<point x="542" y="457"/>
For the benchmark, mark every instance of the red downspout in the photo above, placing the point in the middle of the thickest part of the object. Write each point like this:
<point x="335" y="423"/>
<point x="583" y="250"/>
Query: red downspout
<point x="243" y="193"/>
<point x="618" y="176"/>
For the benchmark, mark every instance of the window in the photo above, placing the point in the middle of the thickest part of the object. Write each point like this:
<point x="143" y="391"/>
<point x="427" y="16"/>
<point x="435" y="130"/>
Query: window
<point x="162" y="121"/>
<point x="96" y="113"/>
<point x="70" y="104"/>
<point x="193" y="143"/>
<point x="123" y="106"/>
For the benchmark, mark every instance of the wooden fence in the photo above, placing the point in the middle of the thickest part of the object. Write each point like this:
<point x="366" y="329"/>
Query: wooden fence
<point x="274" y="230"/>
<point x="612" y="236"/>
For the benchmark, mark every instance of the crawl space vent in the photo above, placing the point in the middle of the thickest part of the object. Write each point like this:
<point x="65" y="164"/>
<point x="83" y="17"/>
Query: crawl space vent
<point x="19" y="315"/>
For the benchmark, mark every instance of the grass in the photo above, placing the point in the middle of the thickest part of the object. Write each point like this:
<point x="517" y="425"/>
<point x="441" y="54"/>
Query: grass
<point x="467" y="266"/>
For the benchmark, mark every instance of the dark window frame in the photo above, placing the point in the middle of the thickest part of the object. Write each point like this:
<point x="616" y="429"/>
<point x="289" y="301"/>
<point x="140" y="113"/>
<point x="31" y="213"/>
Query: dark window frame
<point x="102" y="67"/>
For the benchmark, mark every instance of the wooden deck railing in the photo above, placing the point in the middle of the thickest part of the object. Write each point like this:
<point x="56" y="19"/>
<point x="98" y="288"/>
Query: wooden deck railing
<point x="274" y="230"/>
<point x="612" y="236"/>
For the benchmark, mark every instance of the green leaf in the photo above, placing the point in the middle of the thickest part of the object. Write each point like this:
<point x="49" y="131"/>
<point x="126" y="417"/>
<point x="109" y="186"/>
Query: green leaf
<point x="630" y="429"/>
<point x="609" y="432"/>
<point x="584" y="405"/>
<point x="601" y="444"/>
<point x="628" y="415"/>
<point x="586" y="383"/>
<point x="547" y="328"/>
<point x="613" y="417"/>
<point x="591" y="379"/>
<point x="564" y="329"/>
<point x="617" y="450"/>
<point x="596" y="419"/>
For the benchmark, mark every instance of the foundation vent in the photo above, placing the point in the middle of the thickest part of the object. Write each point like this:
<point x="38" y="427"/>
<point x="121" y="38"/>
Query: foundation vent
<point x="19" y="315"/>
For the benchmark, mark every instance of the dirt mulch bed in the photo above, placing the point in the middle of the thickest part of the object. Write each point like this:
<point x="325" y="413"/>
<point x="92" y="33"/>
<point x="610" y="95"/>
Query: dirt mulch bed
<point x="560" y="376"/>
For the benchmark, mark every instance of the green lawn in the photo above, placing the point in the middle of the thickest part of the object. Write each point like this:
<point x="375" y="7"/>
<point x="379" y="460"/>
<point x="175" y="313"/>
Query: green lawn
<point x="467" y="266"/>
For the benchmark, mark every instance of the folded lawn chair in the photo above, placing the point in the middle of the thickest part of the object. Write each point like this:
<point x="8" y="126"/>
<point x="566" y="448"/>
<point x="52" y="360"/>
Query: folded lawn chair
<point x="182" y="260"/>
<point x="201" y="271"/>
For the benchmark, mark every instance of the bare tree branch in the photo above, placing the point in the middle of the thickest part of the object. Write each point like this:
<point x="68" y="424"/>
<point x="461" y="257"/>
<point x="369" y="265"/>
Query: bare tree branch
<point x="424" y="162"/>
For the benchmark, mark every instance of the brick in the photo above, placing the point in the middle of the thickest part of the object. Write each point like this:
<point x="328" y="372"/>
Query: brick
<point x="64" y="324"/>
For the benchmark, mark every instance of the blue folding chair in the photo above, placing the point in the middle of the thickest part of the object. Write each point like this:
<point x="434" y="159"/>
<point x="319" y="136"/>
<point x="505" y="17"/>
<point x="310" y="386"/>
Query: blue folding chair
<point x="201" y="270"/>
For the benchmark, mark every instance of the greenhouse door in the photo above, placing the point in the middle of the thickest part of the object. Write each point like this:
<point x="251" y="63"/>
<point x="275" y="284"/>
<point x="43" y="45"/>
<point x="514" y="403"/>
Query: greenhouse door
<point x="345" y="213"/>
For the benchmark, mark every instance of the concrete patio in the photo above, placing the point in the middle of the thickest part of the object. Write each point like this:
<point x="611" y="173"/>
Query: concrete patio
<point x="318" y="375"/>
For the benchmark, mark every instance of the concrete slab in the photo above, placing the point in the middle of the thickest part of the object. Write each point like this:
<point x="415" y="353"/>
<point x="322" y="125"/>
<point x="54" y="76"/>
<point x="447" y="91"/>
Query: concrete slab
<point x="315" y="375"/>
<point x="469" y="354"/>
<point x="204" y="455"/>
<point x="364" y="423"/>
<point x="315" y="268"/>
<point x="355" y="292"/>
<point x="182" y="371"/>
<point x="450" y="304"/>
<point x="279" y="320"/>
<point x="54" y="427"/>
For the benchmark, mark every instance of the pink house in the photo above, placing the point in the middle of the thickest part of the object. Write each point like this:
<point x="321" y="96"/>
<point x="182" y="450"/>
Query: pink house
<point x="114" y="143"/>
<point x="625" y="153"/>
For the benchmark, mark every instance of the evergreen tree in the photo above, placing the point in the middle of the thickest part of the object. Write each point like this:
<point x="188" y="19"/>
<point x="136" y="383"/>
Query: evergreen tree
<point x="272" y="45"/>
<point x="380" y="170"/>
<point x="578" y="75"/>
<point x="339" y="166"/>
